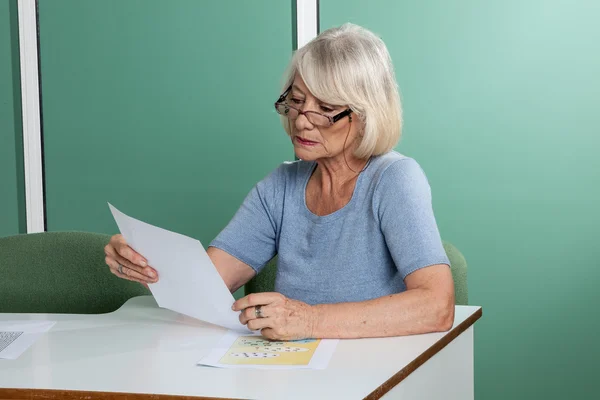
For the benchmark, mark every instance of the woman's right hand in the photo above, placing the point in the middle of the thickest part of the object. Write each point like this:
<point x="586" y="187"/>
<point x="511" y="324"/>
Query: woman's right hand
<point x="125" y="263"/>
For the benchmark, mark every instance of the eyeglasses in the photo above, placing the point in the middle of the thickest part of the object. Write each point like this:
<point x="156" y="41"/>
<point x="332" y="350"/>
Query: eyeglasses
<point x="315" y="118"/>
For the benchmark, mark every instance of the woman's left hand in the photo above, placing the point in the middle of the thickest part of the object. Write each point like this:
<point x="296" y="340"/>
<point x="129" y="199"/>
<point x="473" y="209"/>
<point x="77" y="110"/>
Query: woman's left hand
<point x="278" y="318"/>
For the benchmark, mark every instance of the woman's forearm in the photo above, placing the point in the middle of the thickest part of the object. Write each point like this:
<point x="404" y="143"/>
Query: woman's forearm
<point x="414" y="311"/>
<point x="233" y="271"/>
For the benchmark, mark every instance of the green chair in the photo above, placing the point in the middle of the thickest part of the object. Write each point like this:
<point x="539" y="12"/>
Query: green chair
<point x="60" y="272"/>
<point x="265" y="280"/>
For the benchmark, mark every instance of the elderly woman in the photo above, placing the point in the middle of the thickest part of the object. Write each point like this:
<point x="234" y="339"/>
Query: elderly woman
<point x="359" y="252"/>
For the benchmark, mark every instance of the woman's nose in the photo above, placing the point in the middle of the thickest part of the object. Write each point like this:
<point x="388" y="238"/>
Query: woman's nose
<point x="302" y="123"/>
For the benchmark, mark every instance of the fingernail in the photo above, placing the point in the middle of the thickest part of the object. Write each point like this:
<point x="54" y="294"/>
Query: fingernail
<point x="143" y="263"/>
<point x="152" y="274"/>
<point x="233" y="307"/>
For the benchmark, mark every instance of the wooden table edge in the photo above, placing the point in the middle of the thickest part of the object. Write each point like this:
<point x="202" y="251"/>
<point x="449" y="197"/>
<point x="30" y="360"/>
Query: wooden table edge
<point x="426" y="355"/>
<point x="49" y="394"/>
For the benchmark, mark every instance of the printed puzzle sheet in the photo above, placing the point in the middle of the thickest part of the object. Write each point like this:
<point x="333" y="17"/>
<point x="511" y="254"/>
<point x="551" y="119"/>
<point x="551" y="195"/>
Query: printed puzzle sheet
<point x="249" y="350"/>
<point x="253" y="351"/>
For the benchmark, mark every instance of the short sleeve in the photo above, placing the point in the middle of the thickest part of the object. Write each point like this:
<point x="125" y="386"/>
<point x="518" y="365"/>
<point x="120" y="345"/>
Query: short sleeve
<point x="251" y="234"/>
<point x="402" y="202"/>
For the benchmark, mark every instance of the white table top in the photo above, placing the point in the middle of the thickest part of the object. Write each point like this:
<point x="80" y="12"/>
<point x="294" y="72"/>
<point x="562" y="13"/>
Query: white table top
<point x="141" y="348"/>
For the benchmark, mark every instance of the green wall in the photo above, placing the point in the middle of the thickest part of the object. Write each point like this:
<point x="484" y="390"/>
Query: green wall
<point x="163" y="108"/>
<point x="502" y="107"/>
<point x="12" y="190"/>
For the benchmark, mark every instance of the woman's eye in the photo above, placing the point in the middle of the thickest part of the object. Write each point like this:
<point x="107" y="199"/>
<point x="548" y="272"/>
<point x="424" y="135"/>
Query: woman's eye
<point x="326" y="109"/>
<point x="296" y="101"/>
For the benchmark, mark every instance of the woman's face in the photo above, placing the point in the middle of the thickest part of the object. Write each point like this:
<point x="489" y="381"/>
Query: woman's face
<point x="313" y="142"/>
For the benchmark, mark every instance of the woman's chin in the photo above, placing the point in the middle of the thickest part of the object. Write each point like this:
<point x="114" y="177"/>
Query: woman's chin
<point x="304" y="154"/>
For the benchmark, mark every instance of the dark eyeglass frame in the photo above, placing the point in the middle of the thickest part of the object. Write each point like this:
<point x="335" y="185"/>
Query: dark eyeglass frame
<point x="332" y="119"/>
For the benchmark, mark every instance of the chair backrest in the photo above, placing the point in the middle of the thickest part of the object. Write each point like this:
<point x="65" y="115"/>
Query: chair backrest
<point x="60" y="272"/>
<point x="265" y="280"/>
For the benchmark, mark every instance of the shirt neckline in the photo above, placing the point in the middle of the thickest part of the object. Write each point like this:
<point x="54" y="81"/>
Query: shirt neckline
<point x="338" y="213"/>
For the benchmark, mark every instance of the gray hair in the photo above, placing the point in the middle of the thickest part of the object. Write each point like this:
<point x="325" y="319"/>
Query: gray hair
<point x="349" y="65"/>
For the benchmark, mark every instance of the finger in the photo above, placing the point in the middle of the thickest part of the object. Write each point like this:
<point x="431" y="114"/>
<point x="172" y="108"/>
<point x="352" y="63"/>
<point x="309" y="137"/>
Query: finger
<point x="256" y="299"/>
<point x="250" y="313"/>
<point x="260" y="323"/>
<point x="128" y="253"/>
<point x="114" y="268"/>
<point x="149" y="273"/>
<point x="132" y="273"/>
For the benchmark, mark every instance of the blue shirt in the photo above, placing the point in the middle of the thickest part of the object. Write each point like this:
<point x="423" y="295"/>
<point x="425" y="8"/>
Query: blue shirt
<point x="360" y="252"/>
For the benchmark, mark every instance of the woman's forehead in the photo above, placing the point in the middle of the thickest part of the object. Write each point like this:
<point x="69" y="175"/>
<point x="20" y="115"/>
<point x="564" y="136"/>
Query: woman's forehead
<point x="298" y="84"/>
<point x="299" y="87"/>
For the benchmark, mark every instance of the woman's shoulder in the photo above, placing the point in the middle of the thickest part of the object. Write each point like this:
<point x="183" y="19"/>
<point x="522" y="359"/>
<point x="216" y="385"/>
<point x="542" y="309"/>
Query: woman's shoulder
<point x="398" y="179"/>
<point x="395" y="167"/>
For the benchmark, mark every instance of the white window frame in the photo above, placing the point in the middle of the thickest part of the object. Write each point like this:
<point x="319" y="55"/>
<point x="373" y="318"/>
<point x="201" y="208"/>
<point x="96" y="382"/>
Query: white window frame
<point x="30" y="99"/>
<point x="307" y="21"/>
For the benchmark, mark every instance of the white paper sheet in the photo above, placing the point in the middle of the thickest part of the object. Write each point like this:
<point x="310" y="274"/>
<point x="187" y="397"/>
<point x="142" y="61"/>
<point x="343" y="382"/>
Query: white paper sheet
<point x="18" y="336"/>
<point x="236" y="350"/>
<point x="188" y="282"/>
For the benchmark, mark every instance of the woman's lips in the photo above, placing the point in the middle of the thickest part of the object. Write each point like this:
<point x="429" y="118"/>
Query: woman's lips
<point x="305" y="142"/>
